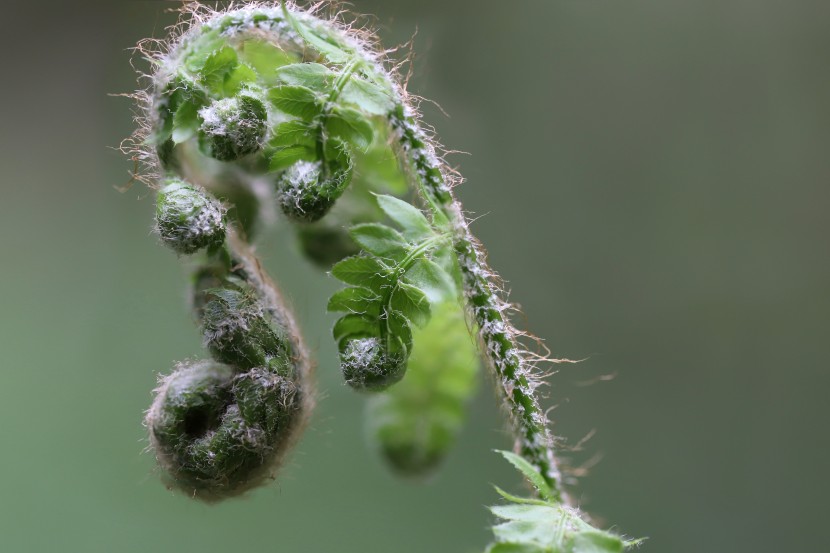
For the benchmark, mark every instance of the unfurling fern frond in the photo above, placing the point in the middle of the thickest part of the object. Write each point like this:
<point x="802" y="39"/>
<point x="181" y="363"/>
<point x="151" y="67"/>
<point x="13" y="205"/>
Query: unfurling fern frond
<point x="266" y="106"/>
<point x="220" y="427"/>
<point x="391" y="282"/>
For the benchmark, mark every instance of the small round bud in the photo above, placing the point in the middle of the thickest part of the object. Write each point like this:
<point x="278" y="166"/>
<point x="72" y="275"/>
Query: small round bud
<point x="306" y="194"/>
<point x="234" y="127"/>
<point x="188" y="219"/>
<point x="367" y="366"/>
<point x="299" y="192"/>
<point x="237" y="330"/>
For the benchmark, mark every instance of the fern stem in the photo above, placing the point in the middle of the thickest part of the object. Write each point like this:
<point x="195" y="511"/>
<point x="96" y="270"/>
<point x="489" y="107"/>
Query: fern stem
<point x="505" y="353"/>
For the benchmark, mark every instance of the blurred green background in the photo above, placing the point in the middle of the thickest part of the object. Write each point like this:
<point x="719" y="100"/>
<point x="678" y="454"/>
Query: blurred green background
<point x="651" y="178"/>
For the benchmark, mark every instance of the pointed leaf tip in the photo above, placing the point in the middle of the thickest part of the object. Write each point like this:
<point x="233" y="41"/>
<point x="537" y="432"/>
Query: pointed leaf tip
<point x="530" y="472"/>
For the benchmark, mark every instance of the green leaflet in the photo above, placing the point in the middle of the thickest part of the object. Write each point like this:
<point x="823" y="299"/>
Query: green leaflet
<point x="368" y="96"/>
<point x="392" y="296"/>
<point x="315" y="76"/>
<point x="304" y="93"/>
<point x="221" y="74"/>
<point x="380" y="240"/>
<point x="317" y="37"/>
<point x="544" y="526"/>
<point x="352" y="126"/>
<point x="415" y="423"/>
<point x="415" y="226"/>
<point x="411" y="302"/>
<point x="355" y="300"/>
<point x="552" y="528"/>
<point x="201" y="49"/>
<point x="238" y="78"/>
<point x="431" y="278"/>
<point x="364" y="271"/>
<point x="217" y="67"/>
<point x="530" y="473"/>
<point x="265" y="59"/>
<point x="299" y="101"/>
<point x="294" y="133"/>
<point x="178" y="113"/>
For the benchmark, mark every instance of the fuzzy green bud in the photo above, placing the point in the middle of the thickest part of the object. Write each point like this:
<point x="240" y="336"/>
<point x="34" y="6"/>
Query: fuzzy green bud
<point x="306" y="193"/>
<point x="234" y="127"/>
<point x="238" y="330"/>
<point x="367" y="366"/>
<point x="188" y="218"/>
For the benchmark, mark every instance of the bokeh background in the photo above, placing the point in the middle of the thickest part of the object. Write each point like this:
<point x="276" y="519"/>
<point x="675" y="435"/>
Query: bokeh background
<point x="650" y="176"/>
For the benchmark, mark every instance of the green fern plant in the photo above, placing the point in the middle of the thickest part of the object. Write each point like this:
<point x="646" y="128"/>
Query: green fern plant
<point x="267" y="104"/>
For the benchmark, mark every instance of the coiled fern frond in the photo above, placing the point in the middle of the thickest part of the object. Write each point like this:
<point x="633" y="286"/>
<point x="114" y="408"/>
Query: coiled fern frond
<point x="268" y="104"/>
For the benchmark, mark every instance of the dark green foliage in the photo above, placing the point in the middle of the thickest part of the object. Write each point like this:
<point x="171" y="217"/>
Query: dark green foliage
<point x="187" y="218"/>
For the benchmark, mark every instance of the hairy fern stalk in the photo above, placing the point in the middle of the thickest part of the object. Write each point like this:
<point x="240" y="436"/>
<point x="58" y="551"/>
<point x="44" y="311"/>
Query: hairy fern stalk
<point x="268" y="105"/>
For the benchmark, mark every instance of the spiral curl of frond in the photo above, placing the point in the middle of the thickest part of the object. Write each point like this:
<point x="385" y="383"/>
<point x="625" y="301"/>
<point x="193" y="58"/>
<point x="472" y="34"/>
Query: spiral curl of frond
<point x="285" y="104"/>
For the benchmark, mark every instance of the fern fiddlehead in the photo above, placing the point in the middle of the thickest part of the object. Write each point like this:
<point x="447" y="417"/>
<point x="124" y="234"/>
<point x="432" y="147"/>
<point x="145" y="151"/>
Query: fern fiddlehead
<point x="270" y="101"/>
<point x="220" y="426"/>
